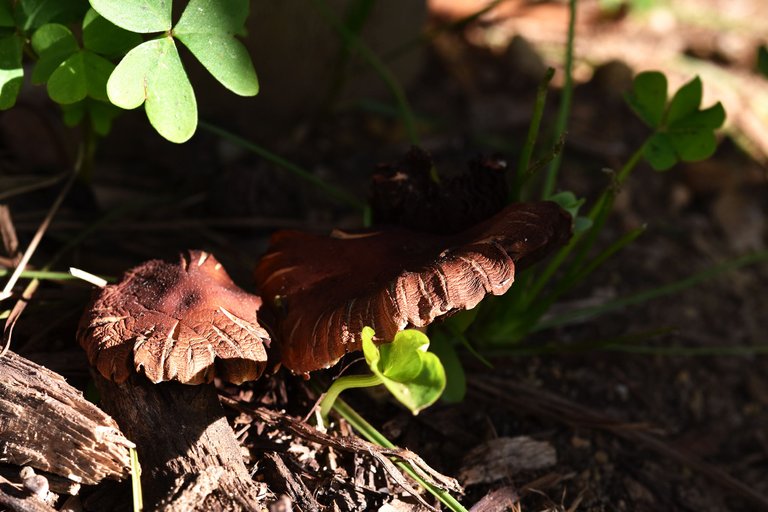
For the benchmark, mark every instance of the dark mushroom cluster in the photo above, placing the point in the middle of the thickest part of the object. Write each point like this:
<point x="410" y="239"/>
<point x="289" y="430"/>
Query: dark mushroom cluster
<point x="325" y="289"/>
<point x="189" y="322"/>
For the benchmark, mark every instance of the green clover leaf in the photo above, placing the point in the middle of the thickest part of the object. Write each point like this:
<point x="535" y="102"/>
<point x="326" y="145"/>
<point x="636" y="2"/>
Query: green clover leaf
<point x="11" y="70"/>
<point x="415" y="377"/>
<point x="208" y="28"/>
<point x="53" y="43"/>
<point x="648" y="97"/>
<point x="82" y="74"/>
<point x="152" y="73"/>
<point x="142" y="16"/>
<point x="682" y="131"/>
<point x="100" y="113"/>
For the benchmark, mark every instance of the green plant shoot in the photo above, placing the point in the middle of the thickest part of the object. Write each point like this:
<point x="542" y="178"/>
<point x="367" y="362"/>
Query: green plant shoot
<point x="415" y="377"/>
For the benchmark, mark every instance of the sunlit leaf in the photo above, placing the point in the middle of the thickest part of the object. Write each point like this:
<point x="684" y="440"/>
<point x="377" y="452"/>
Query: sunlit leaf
<point x="142" y="16"/>
<point x="152" y="72"/>
<point x="414" y="389"/>
<point x="208" y="28"/>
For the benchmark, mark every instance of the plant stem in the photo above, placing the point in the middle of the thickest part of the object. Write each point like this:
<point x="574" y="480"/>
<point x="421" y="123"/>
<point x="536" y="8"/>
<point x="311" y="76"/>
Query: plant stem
<point x="46" y="274"/>
<point x="351" y="40"/>
<point x="521" y="173"/>
<point x="565" y="103"/>
<point x="304" y="174"/>
<point x="371" y="434"/>
<point x="342" y="383"/>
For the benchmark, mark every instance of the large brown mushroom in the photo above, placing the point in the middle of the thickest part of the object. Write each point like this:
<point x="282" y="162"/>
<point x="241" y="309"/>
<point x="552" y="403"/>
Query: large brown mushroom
<point x="183" y="321"/>
<point x="324" y="290"/>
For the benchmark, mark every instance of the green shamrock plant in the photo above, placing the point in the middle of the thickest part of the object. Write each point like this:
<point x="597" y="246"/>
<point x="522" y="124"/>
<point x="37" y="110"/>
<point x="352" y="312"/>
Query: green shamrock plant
<point x="415" y="377"/>
<point x="682" y="130"/>
<point x="152" y="72"/>
<point x="77" y="65"/>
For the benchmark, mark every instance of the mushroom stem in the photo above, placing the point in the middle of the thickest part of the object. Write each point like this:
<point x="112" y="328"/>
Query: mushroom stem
<point x="189" y="455"/>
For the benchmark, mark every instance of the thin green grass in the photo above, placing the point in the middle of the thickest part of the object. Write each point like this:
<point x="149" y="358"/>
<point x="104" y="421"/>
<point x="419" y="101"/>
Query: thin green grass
<point x="561" y="125"/>
<point x="334" y="192"/>
<point x="371" y="434"/>
<point x="353" y="41"/>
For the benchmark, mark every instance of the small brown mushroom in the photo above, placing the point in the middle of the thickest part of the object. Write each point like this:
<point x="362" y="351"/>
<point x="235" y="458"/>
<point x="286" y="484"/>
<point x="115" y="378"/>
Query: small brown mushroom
<point x="324" y="290"/>
<point x="183" y="321"/>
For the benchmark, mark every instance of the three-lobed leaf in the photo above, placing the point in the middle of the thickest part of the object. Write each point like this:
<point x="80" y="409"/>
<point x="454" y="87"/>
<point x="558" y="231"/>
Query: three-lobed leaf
<point x="142" y="16"/>
<point x="11" y="70"/>
<point x="208" y="28"/>
<point x="82" y="74"/>
<point x="53" y="43"/>
<point x="100" y="114"/>
<point x="682" y="130"/>
<point x="648" y="97"/>
<point x="152" y="73"/>
<point x="414" y="376"/>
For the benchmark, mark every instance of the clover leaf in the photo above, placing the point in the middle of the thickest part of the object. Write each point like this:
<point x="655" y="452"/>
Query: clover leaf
<point x="82" y="74"/>
<point x="53" y="43"/>
<point x="682" y="131"/>
<point x="648" y="97"/>
<point x="11" y="70"/>
<point x="415" y="377"/>
<point x="208" y="28"/>
<point x="100" y="113"/>
<point x="142" y="16"/>
<point x="152" y="73"/>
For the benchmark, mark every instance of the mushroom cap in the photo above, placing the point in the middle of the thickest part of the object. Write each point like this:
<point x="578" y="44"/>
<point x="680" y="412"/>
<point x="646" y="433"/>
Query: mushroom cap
<point x="324" y="290"/>
<point x="184" y="321"/>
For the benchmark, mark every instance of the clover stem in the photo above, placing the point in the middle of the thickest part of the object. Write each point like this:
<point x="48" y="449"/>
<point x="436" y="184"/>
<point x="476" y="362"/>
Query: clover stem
<point x="371" y="434"/>
<point x="342" y="383"/>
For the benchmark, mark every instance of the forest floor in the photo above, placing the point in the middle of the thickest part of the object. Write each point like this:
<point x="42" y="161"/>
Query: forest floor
<point x="675" y="419"/>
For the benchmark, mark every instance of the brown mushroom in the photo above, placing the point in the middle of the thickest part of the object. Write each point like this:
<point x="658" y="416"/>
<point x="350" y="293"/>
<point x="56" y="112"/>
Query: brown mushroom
<point x="183" y="321"/>
<point x="324" y="290"/>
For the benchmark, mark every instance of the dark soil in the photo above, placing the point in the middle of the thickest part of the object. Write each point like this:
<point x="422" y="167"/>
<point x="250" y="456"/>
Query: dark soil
<point x="676" y="420"/>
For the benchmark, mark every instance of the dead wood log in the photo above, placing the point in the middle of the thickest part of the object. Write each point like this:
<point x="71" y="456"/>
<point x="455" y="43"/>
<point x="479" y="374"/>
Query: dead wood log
<point x="47" y="424"/>
<point x="188" y="452"/>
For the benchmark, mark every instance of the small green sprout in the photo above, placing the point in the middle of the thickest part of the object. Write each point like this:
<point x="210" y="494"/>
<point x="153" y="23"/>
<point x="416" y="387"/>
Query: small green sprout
<point x="682" y="130"/>
<point x="415" y="377"/>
